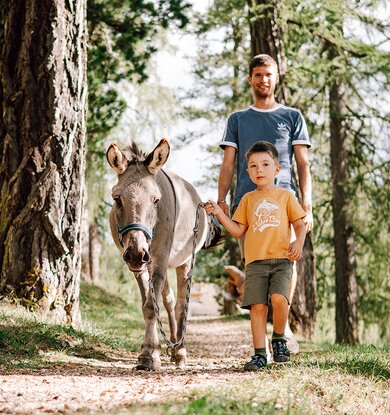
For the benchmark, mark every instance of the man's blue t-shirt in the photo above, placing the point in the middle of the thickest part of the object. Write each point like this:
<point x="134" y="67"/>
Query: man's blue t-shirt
<point x="282" y="126"/>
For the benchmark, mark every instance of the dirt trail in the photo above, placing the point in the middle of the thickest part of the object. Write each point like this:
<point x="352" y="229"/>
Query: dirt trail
<point x="216" y="350"/>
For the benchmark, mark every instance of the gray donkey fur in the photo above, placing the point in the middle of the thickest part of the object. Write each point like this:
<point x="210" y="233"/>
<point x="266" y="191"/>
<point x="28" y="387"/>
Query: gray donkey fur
<point x="162" y="201"/>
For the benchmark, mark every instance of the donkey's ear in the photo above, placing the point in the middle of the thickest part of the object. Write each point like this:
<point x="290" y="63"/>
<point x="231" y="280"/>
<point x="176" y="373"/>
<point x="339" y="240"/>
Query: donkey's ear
<point x="116" y="159"/>
<point x="157" y="158"/>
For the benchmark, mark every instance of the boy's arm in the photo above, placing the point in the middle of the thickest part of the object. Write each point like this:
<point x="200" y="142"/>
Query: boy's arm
<point x="295" y="249"/>
<point x="235" y="228"/>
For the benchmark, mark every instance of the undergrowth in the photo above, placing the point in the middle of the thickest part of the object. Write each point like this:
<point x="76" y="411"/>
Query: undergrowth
<point x="109" y="322"/>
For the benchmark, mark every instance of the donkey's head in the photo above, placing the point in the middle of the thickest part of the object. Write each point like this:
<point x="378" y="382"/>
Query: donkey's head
<point x="136" y="196"/>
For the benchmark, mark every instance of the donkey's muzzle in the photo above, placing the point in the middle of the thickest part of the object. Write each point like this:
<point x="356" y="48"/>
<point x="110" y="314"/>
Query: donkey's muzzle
<point x="136" y="258"/>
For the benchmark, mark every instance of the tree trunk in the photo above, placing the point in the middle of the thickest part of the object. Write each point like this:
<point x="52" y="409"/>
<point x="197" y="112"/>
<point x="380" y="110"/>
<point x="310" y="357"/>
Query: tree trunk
<point x="94" y="253"/>
<point x="42" y="128"/>
<point x="91" y="247"/>
<point x="345" y="264"/>
<point x="303" y="307"/>
<point x="85" y="254"/>
<point x="267" y="37"/>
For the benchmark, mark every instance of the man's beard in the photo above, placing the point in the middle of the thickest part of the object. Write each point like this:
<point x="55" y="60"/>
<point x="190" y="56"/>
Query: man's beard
<point x="266" y="93"/>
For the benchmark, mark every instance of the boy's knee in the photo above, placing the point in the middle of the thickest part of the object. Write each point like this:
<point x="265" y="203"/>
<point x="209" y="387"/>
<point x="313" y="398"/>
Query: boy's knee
<point x="259" y="308"/>
<point x="278" y="300"/>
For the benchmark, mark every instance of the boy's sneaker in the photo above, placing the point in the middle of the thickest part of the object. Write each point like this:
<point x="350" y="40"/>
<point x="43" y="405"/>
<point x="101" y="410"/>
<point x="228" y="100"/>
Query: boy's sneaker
<point x="257" y="362"/>
<point x="280" y="351"/>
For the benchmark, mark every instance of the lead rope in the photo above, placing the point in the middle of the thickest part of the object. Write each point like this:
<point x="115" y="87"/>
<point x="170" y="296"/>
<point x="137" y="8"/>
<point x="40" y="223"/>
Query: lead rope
<point x="156" y="308"/>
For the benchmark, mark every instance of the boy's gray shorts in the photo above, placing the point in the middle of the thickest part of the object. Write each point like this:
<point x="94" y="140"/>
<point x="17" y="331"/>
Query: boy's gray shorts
<point x="264" y="278"/>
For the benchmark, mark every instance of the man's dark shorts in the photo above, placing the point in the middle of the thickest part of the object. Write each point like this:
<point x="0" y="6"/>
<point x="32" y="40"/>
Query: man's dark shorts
<point x="264" y="278"/>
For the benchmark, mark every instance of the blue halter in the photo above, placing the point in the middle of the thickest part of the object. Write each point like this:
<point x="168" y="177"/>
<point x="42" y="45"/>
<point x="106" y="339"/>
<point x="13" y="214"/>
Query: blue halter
<point x="136" y="227"/>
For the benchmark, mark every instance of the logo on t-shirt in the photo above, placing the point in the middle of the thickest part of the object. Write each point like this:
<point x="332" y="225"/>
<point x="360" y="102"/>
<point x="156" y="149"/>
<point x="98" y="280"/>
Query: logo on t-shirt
<point x="282" y="126"/>
<point x="267" y="213"/>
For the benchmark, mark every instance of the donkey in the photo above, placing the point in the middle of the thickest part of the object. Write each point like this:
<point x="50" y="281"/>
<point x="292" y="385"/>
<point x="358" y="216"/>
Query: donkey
<point x="152" y="223"/>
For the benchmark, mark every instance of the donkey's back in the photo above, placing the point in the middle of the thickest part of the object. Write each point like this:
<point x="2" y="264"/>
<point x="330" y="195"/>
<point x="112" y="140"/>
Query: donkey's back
<point x="187" y="216"/>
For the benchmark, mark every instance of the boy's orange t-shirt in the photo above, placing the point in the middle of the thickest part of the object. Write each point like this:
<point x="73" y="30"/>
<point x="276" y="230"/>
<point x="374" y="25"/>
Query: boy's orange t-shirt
<point x="268" y="215"/>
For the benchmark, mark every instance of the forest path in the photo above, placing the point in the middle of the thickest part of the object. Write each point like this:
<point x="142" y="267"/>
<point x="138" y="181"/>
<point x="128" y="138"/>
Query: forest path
<point x="217" y="350"/>
<point x="326" y="382"/>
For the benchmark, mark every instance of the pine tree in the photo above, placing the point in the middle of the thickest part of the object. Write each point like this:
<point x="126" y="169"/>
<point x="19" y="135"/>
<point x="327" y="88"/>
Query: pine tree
<point x="339" y="70"/>
<point x="42" y="129"/>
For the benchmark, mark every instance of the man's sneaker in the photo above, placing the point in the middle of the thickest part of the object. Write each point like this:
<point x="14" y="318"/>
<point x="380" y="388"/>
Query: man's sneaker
<point x="292" y="344"/>
<point x="280" y="351"/>
<point x="257" y="362"/>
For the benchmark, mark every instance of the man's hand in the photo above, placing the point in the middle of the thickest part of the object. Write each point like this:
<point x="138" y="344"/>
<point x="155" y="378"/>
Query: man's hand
<point x="308" y="221"/>
<point x="225" y="208"/>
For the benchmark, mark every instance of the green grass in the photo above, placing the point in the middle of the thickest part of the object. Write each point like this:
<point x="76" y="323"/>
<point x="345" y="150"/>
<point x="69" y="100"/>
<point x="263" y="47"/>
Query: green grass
<point x="365" y="360"/>
<point x="108" y="322"/>
<point x="116" y="321"/>
<point x="215" y="405"/>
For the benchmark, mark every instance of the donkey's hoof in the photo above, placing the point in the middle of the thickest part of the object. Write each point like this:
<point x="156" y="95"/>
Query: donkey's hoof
<point x="145" y="363"/>
<point x="179" y="357"/>
<point x="180" y="361"/>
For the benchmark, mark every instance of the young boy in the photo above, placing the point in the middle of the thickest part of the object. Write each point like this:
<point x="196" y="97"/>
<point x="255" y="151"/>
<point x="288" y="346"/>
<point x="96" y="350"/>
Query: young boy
<point x="265" y="214"/>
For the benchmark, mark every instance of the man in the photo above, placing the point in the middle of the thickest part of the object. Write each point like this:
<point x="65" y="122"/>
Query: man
<point x="270" y="121"/>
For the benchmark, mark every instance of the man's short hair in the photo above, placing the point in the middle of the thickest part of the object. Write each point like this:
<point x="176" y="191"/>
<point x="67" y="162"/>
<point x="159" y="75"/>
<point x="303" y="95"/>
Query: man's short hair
<point x="263" y="147"/>
<point x="261" y="60"/>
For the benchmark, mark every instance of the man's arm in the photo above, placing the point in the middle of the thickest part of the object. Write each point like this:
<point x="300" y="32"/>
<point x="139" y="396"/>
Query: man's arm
<point x="225" y="177"/>
<point x="304" y="178"/>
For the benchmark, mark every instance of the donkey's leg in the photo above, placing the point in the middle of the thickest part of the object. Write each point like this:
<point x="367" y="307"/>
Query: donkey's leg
<point x="169" y="304"/>
<point x="180" y="354"/>
<point x="149" y="358"/>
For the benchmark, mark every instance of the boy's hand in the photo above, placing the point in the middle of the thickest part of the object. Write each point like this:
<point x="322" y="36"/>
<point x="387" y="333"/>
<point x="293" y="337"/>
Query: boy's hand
<point x="294" y="252"/>
<point x="212" y="208"/>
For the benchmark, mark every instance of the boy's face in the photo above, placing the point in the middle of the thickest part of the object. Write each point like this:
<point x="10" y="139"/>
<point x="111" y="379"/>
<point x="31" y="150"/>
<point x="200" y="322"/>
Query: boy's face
<point x="262" y="169"/>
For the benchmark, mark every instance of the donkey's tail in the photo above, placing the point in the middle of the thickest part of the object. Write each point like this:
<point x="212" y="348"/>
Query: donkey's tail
<point x="214" y="235"/>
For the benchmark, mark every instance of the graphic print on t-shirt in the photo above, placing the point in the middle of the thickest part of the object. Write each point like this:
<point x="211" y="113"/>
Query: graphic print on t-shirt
<point x="266" y="214"/>
<point x="282" y="127"/>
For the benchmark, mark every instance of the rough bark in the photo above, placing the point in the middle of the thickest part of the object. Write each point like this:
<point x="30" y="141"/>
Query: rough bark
<point x="303" y="308"/>
<point x="267" y="37"/>
<point x="42" y="130"/>
<point x="345" y="262"/>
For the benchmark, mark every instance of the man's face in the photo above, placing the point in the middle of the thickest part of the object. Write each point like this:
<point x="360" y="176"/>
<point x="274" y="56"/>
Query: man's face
<point x="263" y="81"/>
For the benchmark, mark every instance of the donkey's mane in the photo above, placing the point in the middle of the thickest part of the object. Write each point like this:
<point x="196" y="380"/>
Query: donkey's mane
<point x="134" y="153"/>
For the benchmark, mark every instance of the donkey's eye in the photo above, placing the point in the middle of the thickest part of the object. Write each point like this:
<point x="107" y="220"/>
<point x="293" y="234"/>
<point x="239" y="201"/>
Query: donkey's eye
<point x="155" y="200"/>
<point x="118" y="201"/>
